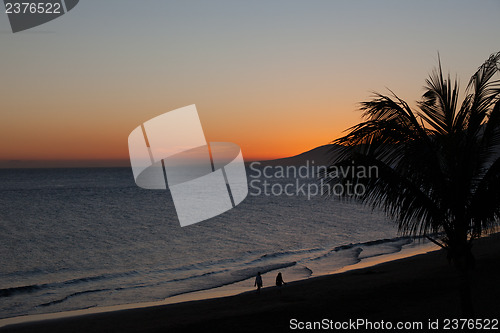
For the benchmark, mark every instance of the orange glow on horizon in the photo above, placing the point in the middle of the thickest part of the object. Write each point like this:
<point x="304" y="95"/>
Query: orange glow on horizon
<point x="81" y="144"/>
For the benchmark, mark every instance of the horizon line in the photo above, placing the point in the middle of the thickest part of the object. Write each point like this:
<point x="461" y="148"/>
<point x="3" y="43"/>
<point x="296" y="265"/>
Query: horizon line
<point x="101" y="163"/>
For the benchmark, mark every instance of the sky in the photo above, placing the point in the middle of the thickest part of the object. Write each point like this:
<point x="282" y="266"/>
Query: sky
<point x="276" y="77"/>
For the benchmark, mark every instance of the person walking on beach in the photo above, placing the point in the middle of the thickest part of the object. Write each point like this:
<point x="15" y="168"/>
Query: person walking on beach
<point x="279" y="282"/>
<point x="258" y="282"/>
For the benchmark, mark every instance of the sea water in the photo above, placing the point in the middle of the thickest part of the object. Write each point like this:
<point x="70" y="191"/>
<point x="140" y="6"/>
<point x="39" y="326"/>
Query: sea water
<point x="82" y="238"/>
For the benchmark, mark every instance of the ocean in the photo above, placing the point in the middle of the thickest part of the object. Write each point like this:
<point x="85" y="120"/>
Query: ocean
<point x="84" y="238"/>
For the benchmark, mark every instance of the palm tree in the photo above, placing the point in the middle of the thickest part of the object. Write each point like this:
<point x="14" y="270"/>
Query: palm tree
<point x="438" y="166"/>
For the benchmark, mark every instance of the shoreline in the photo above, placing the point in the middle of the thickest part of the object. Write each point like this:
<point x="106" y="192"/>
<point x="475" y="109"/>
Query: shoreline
<point x="419" y="287"/>
<point x="233" y="289"/>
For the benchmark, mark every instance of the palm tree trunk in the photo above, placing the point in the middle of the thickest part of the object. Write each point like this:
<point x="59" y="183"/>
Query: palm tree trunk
<point x="464" y="263"/>
<point x="465" y="294"/>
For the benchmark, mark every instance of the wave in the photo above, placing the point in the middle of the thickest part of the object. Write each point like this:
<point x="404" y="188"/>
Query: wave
<point x="72" y="295"/>
<point x="7" y="292"/>
<point x="246" y="273"/>
<point x="374" y="242"/>
<point x="279" y="254"/>
<point x="353" y="253"/>
<point x="100" y="277"/>
<point x="394" y="247"/>
<point x="197" y="276"/>
<point x="20" y="290"/>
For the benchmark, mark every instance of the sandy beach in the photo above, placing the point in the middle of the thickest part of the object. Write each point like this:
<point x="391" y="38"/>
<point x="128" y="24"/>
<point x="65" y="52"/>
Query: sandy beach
<point x="419" y="288"/>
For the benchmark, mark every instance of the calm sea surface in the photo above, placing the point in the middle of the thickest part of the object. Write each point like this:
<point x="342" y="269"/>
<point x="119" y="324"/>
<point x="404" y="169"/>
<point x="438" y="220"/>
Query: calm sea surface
<point x="81" y="238"/>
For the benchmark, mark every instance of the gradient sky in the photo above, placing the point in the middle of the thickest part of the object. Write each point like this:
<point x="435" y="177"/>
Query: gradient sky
<point x="275" y="77"/>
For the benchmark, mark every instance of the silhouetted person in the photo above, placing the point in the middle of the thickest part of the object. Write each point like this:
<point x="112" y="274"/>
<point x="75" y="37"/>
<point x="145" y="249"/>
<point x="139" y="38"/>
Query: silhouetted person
<point x="258" y="282"/>
<point x="279" y="282"/>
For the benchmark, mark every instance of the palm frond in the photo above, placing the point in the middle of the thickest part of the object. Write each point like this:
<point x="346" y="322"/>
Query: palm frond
<point x="439" y="167"/>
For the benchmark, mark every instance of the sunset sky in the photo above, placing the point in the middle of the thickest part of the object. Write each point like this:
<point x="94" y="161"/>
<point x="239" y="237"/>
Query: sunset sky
<point x="275" y="77"/>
